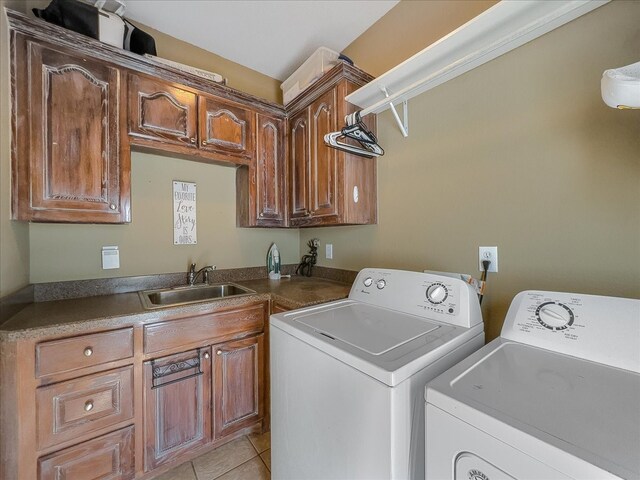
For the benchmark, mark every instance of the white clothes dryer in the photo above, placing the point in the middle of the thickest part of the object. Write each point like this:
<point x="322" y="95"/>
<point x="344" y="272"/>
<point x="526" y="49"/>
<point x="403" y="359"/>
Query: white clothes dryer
<point x="556" y="396"/>
<point x="348" y="377"/>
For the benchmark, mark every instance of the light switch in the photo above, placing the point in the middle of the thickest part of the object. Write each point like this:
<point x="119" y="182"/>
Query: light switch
<point x="110" y="257"/>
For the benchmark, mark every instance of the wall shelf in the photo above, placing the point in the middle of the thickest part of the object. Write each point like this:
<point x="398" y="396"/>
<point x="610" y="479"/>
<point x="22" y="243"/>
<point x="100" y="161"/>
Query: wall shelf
<point x="503" y="27"/>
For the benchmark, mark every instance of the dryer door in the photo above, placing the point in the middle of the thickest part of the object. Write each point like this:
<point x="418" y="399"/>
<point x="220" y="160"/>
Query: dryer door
<point x="471" y="467"/>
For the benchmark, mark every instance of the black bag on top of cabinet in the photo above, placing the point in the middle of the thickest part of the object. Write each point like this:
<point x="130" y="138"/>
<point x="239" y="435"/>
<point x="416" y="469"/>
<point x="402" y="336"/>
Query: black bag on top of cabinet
<point x="72" y="15"/>
<point x="86" y="19"/>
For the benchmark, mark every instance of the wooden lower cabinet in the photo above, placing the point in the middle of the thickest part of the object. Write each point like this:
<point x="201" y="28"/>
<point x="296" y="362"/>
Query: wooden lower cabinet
<point x="238" y="389"/>
<point x="107" y="457"/>
<point x="135" y="401"/>
<point x="187" y="393"/>
<point x="177" y="406"/>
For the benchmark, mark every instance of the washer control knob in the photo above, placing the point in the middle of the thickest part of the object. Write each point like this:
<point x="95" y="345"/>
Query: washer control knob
<point x="381" y="284"/>
<point x="554" y="315"/>
<point x="368" y="281"/>
<point x="437" y="293"/>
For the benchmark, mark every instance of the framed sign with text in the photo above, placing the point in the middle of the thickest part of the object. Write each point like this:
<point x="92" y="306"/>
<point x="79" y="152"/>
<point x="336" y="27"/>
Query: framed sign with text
<point x="184" y="213"/>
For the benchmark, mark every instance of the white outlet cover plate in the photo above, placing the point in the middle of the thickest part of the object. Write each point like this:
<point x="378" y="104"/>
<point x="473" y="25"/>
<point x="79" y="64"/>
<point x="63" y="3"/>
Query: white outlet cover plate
<point x="488" y="253"/>
<point x="329" y="251"/>
<point x="110" y="257"/>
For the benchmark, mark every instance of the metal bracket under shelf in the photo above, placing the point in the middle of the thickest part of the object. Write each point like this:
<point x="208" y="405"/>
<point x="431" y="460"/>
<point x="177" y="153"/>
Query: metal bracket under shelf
<point x="402" y="125"/>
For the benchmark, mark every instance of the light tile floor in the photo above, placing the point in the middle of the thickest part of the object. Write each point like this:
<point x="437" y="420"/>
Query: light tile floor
<point x="246" y="458"/>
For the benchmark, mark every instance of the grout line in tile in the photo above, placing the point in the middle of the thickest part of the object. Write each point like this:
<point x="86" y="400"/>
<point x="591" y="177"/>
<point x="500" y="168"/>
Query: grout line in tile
<point x="237" y="466"/>
<point x="195" y="474"/>
<point x="264" y="463"/>
<point x="254" y="447"/>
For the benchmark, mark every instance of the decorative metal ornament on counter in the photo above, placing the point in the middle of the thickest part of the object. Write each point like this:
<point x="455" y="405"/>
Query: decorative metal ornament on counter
<point x="309" y="260"/>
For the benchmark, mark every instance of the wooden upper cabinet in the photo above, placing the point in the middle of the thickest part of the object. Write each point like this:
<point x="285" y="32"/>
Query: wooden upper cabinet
<point x="226" y="128"/>
<point x="238" y="389"/>
<point x="162" y="112"/>
<point x="270" y="171"/>
<point x="299" y="166"/>
<point x="68" y="162"/>
<point x="328" y="186"/>
<point x="323" y="180"/>
<point x="260" y="187"/>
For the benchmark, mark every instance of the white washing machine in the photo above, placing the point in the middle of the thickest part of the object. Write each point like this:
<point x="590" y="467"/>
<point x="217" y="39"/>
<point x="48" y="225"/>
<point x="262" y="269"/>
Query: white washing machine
<point x="556" y="396"/>
<point x="348" y="377"/>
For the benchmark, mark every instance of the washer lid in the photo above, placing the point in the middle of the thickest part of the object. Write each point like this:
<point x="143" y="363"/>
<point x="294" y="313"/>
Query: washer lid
<point x="387" y="345"/>
<point x="371" y="329"/>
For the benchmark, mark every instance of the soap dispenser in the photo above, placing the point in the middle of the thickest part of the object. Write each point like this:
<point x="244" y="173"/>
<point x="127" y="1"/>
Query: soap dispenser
<point x="273" y="262"/>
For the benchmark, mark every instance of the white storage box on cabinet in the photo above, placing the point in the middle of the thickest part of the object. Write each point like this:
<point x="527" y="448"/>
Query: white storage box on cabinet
<point x="321" y="61"/>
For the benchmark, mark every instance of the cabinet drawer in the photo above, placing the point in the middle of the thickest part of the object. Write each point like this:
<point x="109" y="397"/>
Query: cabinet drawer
<point x="68" y="409"/>
<point x="85" y="351"/>
<point x="176" y="333"/>
<point x="110" y="456"/>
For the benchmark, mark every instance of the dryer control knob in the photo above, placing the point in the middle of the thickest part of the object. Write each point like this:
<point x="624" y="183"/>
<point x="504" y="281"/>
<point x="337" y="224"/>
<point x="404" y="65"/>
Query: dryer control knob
<point x="368" y="282"/>
<point x="381" y="284"/>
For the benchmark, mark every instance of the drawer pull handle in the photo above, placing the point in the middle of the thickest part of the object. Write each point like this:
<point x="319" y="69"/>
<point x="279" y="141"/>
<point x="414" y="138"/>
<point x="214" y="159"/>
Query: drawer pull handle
<point x="88" y="405"/>
<point x="206" y="355"/>
<point x="88" y="352"/>
<point x="193" y="140"/>
<point x="219" y="352"/>
<point x="204" y="143"/>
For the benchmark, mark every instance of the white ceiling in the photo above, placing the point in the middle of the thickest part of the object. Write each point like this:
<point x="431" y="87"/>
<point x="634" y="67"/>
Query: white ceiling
<point x="273" y="37"/>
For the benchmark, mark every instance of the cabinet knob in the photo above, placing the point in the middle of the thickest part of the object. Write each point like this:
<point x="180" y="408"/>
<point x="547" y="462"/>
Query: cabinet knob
<point x="88" y="352"/>
<point x="262" y="214"/>
<point x="206" y="355"/>
<point x="219" y="352"/>
<point x="204" y="143"/>
<point x="112" y="206"/>
<point x="88" y="405"/>
<point x="193" y="139"/>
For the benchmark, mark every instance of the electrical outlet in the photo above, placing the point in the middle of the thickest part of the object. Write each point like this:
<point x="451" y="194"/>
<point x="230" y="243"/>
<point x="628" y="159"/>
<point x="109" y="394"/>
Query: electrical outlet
<point x="328" y="251"/>
<point x="488" y="253"/>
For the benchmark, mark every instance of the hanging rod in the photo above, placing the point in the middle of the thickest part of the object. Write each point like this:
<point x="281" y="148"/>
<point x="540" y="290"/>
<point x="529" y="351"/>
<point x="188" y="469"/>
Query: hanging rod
<point x="498" y="30"/>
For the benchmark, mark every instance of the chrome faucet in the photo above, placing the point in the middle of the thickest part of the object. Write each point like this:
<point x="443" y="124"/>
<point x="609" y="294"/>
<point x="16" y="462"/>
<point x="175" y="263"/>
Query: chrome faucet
<point x="192" y="275"/>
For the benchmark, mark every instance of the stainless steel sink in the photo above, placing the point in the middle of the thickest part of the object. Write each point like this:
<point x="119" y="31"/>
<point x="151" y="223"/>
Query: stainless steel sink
<point x="169" y="297"/>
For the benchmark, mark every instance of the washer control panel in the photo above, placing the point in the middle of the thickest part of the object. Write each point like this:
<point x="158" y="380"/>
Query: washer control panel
<point x="603" y="329"/>
<point x="437" y="297"/>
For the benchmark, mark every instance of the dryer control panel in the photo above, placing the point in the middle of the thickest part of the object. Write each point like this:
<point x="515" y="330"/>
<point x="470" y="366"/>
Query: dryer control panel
<point x="437" y="297"/>
<point x="603" y="329"/>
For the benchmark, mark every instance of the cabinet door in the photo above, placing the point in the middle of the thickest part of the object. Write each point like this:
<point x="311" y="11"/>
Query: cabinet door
<point x="238" y="390"/>
<point x="177" y="413"/>
<point x="323" y="180"/>
<point x="161" y="112"/>
<point x="260" y="186"/>
<point x="359" y="178"/>
<point x="67" y="158"/>
<point x="226" y="129"/>
<point x="299" y="158"/>
<point x="269" y="172"/>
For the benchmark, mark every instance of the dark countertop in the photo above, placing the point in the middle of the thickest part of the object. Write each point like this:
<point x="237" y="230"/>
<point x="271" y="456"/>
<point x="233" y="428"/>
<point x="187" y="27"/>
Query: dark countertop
<point x="75" y="316"/>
